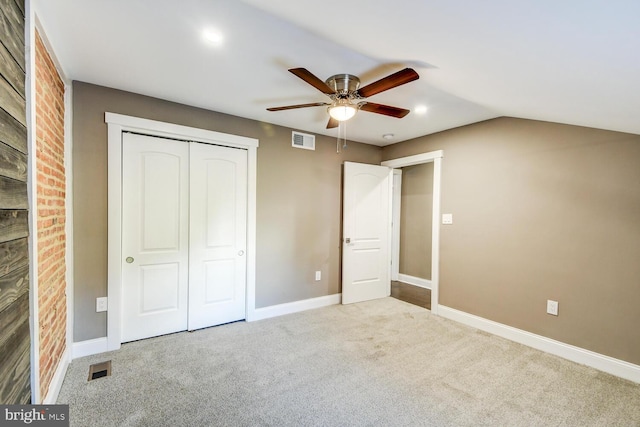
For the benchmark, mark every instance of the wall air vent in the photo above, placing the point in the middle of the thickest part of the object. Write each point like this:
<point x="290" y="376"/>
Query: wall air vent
<point x="303" y="140"/>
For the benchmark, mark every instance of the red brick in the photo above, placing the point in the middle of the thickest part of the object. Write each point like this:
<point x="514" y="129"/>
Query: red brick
<point x="51" y="191"/>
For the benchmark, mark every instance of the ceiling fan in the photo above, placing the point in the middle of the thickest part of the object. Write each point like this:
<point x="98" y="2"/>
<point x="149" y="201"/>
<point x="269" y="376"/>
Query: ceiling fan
<point x="347" y="95"/>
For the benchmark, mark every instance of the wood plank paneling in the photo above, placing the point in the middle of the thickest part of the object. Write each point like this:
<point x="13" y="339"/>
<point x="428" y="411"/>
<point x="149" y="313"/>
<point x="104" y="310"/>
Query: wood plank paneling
<point x="13" y="286"/>
<point x="15" y="339"/>
<point x="13" y="254"/>
<point x="11" y="319"/>
<point x="14" y="224"/>
<point x="16" y="368"/>
<point x="20" y="4"/>
<point x="12" y="102"/>
<point x="13" y="193"/>
<point x="12" y="37"/>
<point x="11" y="71"/>
<point x="13" y="164"/>
<point x="14" y="16"/>
<point x="14" y="353"/>
<point x="12" y="132"/>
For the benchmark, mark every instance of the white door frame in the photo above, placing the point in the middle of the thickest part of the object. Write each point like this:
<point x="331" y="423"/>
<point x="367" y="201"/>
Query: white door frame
<point x="117" y="124"/>
<point x="436" y="158"/>
<point x="396" y="210"/>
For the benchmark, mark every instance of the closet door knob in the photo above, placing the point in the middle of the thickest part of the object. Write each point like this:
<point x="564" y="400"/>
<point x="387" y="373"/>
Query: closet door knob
<point x="129" y="259"/>
<point x="240" y="253"/>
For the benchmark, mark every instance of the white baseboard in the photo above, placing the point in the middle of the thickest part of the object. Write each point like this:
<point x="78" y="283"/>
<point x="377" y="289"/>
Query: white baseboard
<point x="89" y="347"/>
<point x="415" y="281"/>
<point x="57" y="380"/>
<point x="613" y="366"/>
<point x="296" y="306"/>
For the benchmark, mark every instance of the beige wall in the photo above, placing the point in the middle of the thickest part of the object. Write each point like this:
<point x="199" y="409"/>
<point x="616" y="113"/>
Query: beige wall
<point x="415" y="220"/>
<point x="298" y="201"/>
<point x="542" y="211"/>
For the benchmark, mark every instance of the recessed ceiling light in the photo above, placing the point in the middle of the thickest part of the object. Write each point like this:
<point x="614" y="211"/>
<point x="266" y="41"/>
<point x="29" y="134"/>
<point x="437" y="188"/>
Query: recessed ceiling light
<point x="212" y="36"/>
<point x="388" y="136"/>
<point x="420" y="109"/>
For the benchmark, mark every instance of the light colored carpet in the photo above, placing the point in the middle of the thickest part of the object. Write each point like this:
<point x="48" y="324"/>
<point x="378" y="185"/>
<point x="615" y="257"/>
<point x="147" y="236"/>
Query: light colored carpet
<point x="379" y="363"/>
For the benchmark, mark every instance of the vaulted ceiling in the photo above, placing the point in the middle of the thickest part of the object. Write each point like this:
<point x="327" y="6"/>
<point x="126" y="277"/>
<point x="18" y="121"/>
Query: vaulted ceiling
<point x="573" y="61"/>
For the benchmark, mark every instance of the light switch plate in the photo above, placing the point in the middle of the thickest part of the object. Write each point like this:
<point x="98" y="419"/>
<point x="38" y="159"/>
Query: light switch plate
<point x="552" y="307"/>
<point x="447" y="219"/>
<point x="318" y="275"/>
<point x="101" y="304"/>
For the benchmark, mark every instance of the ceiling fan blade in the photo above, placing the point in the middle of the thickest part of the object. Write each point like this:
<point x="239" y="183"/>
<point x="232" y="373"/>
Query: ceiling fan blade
<point x="394" y="80"/>
<point x="333" y="123"/>
<point x="306" y="75"/>
<point x="291" y="107"/>
<point x="387" y="110"/>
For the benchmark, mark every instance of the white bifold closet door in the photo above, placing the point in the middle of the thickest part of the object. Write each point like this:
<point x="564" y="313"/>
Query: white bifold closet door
<point x="218" y="212"/>
<point x="183" y="235"/>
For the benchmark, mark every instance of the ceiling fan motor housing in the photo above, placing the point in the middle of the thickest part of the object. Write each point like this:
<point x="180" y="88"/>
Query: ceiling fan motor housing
<point x="343" y="84"/>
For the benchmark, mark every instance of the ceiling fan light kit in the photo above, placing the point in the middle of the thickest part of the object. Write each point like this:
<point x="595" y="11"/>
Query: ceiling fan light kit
<point x="347" y="96"/>
<point x="342" y="111"/>
<point x="344" y="85"/>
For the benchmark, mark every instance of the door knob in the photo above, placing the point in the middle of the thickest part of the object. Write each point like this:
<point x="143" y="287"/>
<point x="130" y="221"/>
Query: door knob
<point x="129" y="259"/>
<point x="240" y="253"/>
<point x="347" y="240"/>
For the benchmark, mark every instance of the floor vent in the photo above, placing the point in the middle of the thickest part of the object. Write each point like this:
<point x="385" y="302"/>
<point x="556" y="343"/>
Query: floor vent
<point x="99" y="370"/>
<point x="303" y="140"/>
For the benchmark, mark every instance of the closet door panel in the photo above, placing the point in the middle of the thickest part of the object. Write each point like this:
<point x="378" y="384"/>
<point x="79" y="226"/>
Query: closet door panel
<point x="218" y="211"/>
<point x="155" y="233"/>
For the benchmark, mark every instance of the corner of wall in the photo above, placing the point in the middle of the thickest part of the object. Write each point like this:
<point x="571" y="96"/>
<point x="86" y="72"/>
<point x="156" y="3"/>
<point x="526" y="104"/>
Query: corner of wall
<point x="31" y="171"/>
<point x="46" y="384"/>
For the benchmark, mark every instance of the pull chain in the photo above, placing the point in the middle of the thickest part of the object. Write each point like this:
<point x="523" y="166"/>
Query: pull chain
<point x="342" y="136"/>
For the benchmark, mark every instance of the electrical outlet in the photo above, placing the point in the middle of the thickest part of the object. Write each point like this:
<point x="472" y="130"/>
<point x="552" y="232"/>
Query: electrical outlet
<point x="552" y="307"/>
<point x="447" y="219"/>
<point x="101" y="304"/>
<point x="318" y="275"/>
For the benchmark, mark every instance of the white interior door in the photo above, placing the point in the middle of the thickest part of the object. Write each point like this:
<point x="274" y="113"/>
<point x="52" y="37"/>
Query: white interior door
<point x="366" y="232"/>
<point x="217" y="261"/>
<point x="155" y="236"/>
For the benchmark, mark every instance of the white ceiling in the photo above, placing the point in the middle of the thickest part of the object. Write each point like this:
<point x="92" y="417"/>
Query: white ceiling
<point x="567" y="61"/>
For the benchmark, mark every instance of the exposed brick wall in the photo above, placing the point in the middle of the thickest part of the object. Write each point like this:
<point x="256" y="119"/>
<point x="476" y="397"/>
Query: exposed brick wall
<point x="52" y="299"/>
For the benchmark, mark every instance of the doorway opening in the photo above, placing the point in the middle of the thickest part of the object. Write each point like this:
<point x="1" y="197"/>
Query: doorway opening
<point x="417" y="274"/>
<point x="411" y="234"/>
<point x="412" y="294"/>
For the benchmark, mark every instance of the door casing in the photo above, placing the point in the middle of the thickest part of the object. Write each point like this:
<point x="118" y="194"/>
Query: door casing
<point x="117" y="124"/>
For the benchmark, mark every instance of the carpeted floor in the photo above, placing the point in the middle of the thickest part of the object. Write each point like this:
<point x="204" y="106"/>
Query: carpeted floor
<point x="379" y="363"/>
